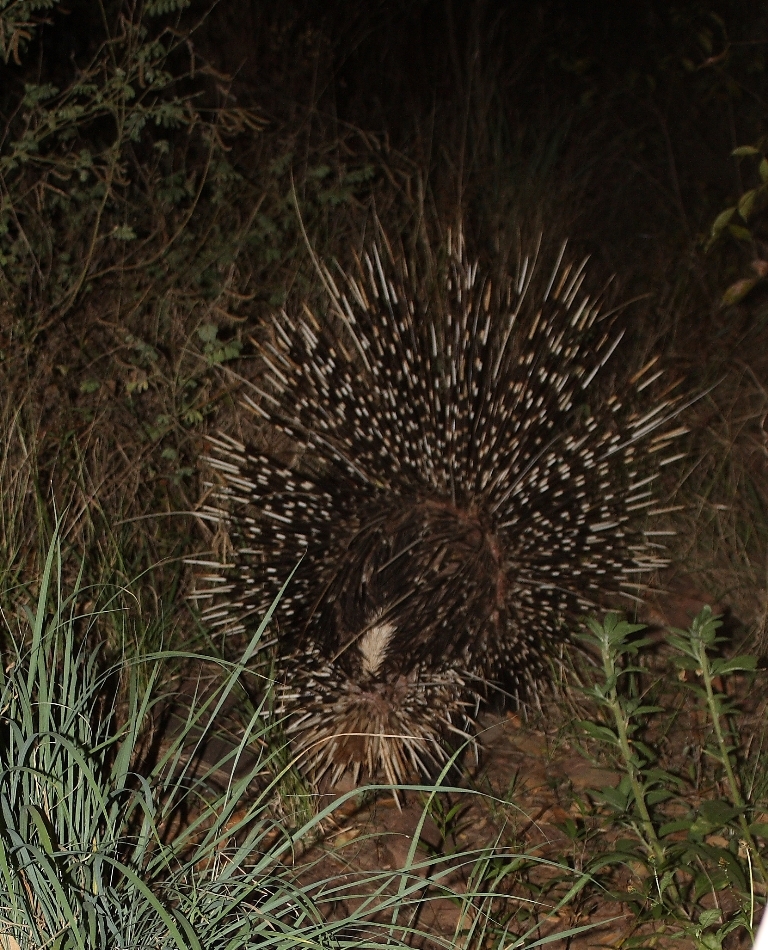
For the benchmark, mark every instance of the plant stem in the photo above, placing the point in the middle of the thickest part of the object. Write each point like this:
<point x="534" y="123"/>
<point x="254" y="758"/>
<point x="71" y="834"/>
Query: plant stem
<point x="713" y="705"/>
<point x="651" y="839"/>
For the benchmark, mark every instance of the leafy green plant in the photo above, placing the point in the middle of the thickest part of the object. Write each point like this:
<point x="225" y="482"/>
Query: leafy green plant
<point x="677" y="864"/>
<point x="742" y="221"/>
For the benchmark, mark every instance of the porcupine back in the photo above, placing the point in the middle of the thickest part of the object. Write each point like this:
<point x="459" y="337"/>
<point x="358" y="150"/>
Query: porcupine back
<point x="469" y="482"/>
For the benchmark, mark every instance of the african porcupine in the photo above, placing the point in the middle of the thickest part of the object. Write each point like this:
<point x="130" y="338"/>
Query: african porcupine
<point x="465" y="489"/>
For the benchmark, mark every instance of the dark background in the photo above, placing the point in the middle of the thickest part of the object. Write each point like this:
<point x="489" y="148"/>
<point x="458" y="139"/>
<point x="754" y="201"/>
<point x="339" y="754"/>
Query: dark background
<point x="136" y="264"/>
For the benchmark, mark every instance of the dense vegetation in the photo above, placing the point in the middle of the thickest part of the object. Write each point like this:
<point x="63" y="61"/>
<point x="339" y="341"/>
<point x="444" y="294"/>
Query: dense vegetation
<point x="168" y="170"/>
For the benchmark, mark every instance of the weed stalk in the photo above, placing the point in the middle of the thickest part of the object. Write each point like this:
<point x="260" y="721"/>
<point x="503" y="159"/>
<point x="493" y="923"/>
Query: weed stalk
<point x="613" y="640"/>
<point x="695" y="646"/>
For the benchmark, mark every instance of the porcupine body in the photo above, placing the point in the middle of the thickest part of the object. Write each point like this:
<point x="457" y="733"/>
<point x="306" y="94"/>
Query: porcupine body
<point x="468" y="482"/>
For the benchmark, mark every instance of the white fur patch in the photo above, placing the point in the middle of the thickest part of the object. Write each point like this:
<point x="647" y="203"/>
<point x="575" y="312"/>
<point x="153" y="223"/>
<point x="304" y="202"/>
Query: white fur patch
<point x="373" y="646"/>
